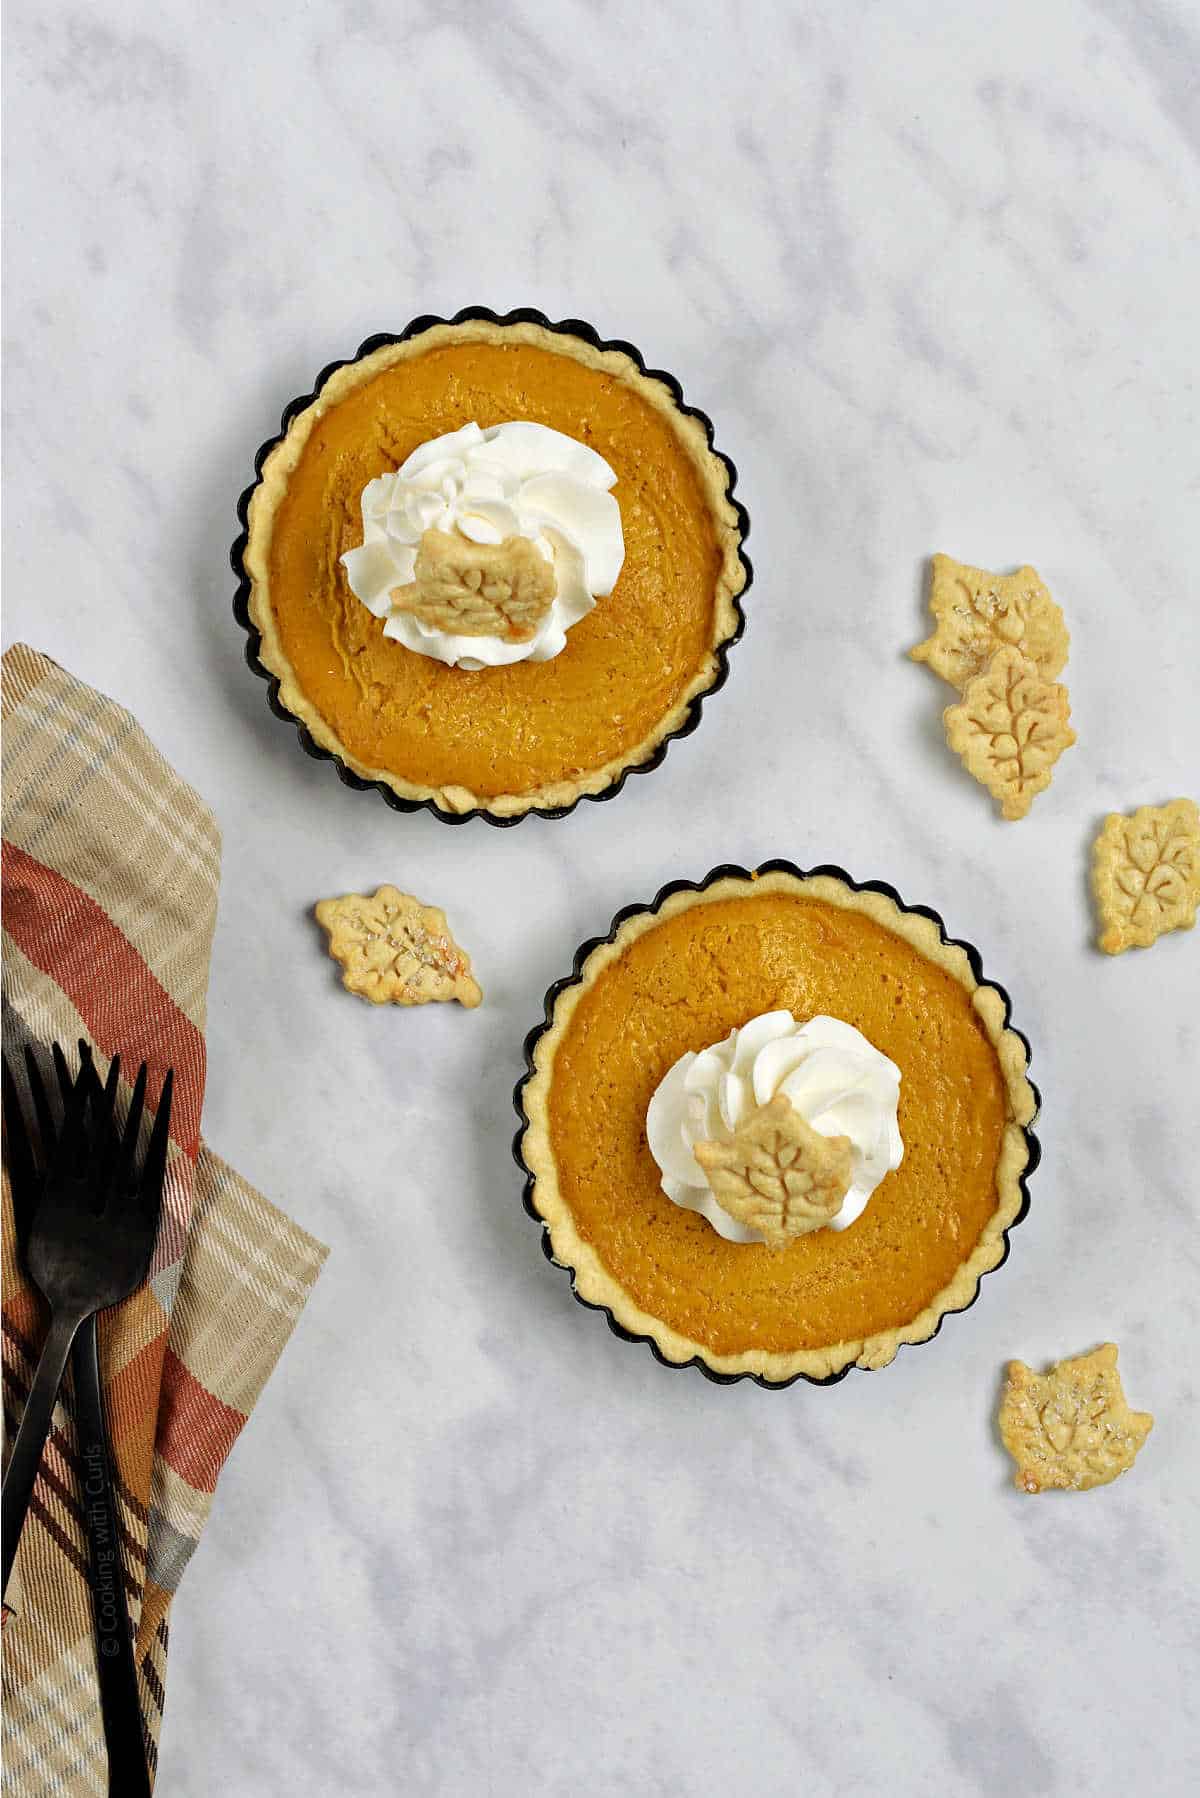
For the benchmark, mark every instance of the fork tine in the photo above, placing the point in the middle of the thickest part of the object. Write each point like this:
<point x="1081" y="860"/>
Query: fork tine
<point x="73" y="1090"/>
<point x="76" y="1091"/>
<point x="132" y="1130"/>
<point x="87" y="1084"/>
<point x="22" y="1165"/>
<point x="65" y="1081"/>
<point x="108" y="1098"/>
<point x="72" y="1144"/>
<point x="106" y="1144"/>
<point x="41" y="1104"/>
<point x="154" y="1167"/>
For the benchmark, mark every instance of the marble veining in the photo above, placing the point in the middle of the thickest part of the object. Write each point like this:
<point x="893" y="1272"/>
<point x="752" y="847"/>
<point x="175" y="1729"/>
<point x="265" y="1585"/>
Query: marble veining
<point x="934" y="272"/>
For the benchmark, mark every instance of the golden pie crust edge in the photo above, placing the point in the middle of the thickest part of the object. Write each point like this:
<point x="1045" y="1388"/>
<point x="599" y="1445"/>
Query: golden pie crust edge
<point x="283" y="459"/>
<point x="596" y="1286"/>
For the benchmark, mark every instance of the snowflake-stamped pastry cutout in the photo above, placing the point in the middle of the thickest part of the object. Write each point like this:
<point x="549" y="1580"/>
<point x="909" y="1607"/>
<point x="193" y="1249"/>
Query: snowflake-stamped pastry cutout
<point x="1010" y="727"/>
<point x="1070" y="1428"/>
<point x="394" y="950"/>
<point x="776" y="1174"/>
<point x="471" y="589"/>
<point x="978" y="613"/>
<point x="1146" y="874"/>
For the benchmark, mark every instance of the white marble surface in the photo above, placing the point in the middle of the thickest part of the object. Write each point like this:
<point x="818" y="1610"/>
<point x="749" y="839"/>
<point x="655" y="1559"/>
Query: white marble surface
<point x="933" y="269"/>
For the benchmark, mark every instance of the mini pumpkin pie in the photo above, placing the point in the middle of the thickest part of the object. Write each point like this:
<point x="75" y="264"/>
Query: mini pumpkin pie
<point x="492" y="566"/>
<point x="777" y="1125"/>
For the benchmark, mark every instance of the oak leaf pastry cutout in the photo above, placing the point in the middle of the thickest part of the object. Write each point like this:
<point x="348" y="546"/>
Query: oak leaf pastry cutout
<point x="1010" y="728"/>
<point x="394" y="950"/>
<point x="1070" y="1428"/>
<point x="978" y="613"/>
<point x="778" y="1175"/>
<point x="478" y="589"/>
<point x="1146" y="874"/>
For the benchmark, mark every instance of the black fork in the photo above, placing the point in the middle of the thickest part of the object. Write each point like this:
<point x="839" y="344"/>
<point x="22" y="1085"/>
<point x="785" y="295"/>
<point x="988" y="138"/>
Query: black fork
<point x="86" y="1226"/>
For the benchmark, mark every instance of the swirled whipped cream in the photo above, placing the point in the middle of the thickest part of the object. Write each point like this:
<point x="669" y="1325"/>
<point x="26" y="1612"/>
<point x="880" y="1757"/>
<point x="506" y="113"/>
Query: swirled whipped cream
<point x="512" y="480"/>
<point x="836" y="1079"/>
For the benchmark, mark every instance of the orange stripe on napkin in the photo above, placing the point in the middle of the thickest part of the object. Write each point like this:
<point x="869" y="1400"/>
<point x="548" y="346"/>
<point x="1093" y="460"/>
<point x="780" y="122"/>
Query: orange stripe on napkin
<point x="66" y="934"/>
<point x="195" y="1430"/>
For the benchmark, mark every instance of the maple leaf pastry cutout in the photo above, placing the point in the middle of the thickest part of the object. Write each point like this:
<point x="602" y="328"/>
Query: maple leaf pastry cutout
<point x="394" y="950"/>
<point x="1010" y="727"/>
<point x="1070" y="1428"/>
<point x="479" y="589"/>
<point x="1146" y="874"/>
<point x="776" y="1174"/>
<point x="978" y="613"/>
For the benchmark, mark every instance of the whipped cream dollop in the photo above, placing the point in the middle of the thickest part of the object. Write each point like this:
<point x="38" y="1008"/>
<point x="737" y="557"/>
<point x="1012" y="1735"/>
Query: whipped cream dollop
<point x="837" y="1080"/>
<point x="512" y="480"/>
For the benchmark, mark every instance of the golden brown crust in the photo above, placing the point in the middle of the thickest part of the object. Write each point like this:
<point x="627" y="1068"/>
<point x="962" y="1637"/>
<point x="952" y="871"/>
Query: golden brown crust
<point x="272" y="485"/>
<point x="1070" y="1428"/>
<point x="1146" y="874"/>
<point x="395" y="951"/>
<point x="596" y="1285"/>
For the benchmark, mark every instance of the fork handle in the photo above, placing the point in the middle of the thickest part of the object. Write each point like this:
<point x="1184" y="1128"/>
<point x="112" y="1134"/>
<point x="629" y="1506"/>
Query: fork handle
<point x="30" y="1438"/>
<point x="120" y="1703"/>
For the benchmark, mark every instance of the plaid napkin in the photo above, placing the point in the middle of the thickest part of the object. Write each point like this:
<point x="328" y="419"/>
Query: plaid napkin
<point x="110" y="875"/>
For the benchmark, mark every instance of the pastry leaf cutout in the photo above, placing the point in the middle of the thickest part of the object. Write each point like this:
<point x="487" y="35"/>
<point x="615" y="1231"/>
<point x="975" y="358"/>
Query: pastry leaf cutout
<point x="1010" y="728"/>
<point x="394" y="950"/>
<point x="978" y="613"/>
<point x="479" y="589"/>
<point x="776" y="1174"/>
<point x="1146" y="874"/>
<point x="1070" y="1428"/>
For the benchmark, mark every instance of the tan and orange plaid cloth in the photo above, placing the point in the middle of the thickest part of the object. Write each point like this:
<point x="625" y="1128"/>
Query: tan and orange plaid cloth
<point x="110" y="875"/>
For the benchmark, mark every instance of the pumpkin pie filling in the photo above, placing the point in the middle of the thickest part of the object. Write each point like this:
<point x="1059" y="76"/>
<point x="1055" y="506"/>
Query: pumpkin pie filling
<point x="529" y="728"/>
<point x="684" y="983"/>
